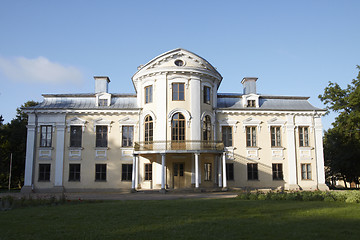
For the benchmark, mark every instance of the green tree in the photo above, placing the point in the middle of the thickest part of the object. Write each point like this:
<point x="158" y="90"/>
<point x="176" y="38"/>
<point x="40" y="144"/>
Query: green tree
<point x="13" y="140"/>
<point x="342" y="141"/>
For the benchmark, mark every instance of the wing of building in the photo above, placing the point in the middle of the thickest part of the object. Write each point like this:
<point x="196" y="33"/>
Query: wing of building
<point x="176" y="132"/>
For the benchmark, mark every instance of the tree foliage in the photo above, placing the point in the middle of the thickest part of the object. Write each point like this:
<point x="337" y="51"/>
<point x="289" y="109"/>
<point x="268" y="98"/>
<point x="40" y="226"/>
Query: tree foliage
<point x="13" y="141"/>
<point x="342" y="142"/>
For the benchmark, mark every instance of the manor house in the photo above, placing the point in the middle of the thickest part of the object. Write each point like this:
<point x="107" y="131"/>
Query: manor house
<point x="176" y="132"/>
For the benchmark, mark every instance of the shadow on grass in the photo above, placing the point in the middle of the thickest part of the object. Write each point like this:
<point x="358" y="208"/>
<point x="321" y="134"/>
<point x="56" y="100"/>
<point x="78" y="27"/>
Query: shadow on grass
<point x="189" y="219"/>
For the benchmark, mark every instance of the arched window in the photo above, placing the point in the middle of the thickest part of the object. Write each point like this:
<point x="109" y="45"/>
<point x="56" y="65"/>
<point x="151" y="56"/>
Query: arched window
<point x="207" y="128"/>
<point x="148" y="129"/>
<point x="178" y="127"/>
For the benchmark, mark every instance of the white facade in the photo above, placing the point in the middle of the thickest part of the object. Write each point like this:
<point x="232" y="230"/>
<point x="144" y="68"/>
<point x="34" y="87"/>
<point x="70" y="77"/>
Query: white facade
<point x="177" y="131"/>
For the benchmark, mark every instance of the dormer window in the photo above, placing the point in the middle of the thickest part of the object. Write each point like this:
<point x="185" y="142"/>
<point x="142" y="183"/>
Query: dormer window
<point x="103" y="102"/>
<point x="251" y="103"/>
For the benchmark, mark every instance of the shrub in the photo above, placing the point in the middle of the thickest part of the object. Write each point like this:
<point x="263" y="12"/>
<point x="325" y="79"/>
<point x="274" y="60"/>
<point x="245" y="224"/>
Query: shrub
<point x="262" y="197"/>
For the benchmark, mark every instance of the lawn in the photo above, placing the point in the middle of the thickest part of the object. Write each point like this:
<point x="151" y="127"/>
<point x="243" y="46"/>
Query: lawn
<point x="184" y="219"/>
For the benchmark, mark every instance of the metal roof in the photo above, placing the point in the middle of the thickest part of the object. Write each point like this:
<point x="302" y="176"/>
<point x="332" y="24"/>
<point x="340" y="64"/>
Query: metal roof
<point x="281" y="103"/>
<point x="81" y="102"/>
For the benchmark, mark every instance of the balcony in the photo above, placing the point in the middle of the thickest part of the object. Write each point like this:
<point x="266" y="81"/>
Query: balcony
<point x="186" y="145"/>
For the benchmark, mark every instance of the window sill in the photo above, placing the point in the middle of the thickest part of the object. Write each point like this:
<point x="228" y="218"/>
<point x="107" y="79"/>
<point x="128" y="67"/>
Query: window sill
<point x="306" y="148"/>
<point x="277" y="147"/>
<point x="73" y="180"/>
<point x="252" y="148"/>
<point x="43" y="180"/>
<point x="46" y="148"/>
<point x="100" y="181"/>
<point x="101" y="148"/>
<point x="75" y="148"/>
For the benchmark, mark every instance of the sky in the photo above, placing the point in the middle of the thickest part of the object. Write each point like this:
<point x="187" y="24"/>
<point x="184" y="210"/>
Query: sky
<point x="294" y="47"/>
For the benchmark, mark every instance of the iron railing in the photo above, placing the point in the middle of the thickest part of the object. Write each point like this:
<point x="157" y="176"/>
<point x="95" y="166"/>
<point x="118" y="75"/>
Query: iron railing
<point x="179" y="145"/>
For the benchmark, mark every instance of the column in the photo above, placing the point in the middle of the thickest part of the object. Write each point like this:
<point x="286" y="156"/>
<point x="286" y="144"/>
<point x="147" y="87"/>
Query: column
<point x="319" y="151"/>
<point x="224" y="170"/>
<point x="59" y="156"/>
<point x="291" y="150"/>
<point x="30" y="154"/>
<point x="219" y="171"/>
<point x="133" y="173"/>
<point x="136" y="171"/>
<point x="196" y="170"/>
<point x="195" y="108"/>
<point x="163" y="161"/>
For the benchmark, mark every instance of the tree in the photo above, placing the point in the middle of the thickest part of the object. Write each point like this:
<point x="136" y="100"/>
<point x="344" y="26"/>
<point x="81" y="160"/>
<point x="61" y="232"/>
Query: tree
<point x="13" y="140"/>
<point x="342" y="142"/>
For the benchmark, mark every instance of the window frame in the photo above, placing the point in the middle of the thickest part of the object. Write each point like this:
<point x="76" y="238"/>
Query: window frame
<point x="252" y="171"/>
<point x="304" y="136"/>
<point x="148" y="129"/>
<point x="230" y="171"/>
<point x="227" y="134"/>
<point x="251" y="138"/>
<point x="277" y="172"/>
<point x="147" y="171"/>
<point x="148" y="94"/>
<point x="207" y="95"/>
<point x="207" y="172"/>
<point x="101" y="139"/>
<point x="126" y="172"/>
<point x="275" y="136"/>
<point x="176" y="94"/>
<point x="129" y="141"/>
<point x="207" y="128"/>
<point x="76" y="139"/>
<point x="178" y="127"/>
<point x="306" y="171"/>
<point x="47" y="142"/>
<point x="74" y="174"/>
<point x="44" y="172"/>
<point x="100" y="172"/>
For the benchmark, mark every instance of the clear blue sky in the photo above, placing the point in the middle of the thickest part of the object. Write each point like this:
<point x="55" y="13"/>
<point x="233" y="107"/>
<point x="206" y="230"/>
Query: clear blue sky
<point x="293" y="47"/>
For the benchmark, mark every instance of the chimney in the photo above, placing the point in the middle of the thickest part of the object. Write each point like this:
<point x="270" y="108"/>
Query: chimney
<point x="101" y="84"/>
<point x="249" y="84"/>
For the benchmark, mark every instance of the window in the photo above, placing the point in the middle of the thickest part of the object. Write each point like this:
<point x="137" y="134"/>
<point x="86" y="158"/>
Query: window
<point x="227" y="136"/>
<point x="45" y="136"/>
<point x="74" y="172"/>
<point x="306" y="171"/>
<point x="148" y="129"/>
<point x="126" y="172"/>
<point x="252" y="169"/>
<point x="127" y="136"/>
<point x="75" y="136"/>
<point x="251" y="103"/>
<point x="148" y="94"/>
<point x="179" y="63"/>
<point x="178" y="127"/>
<point x="178" y="92"/>
<point x="251" y="136"/>
<point x="44" y="172"/>
<point x="230" y="171"/>
<point x="101" y="136"/>
<point x="275" y="137"/>
<point x="207" y="169"/>
<point x="103" y="102"/>
<point x="277" y="171"/>
<point x="207" y="129"/>
<point x="100" y="172"/>
<point x="148" y="171"/>
<point x="304" y="136"/>
<point x="207" y="95"/>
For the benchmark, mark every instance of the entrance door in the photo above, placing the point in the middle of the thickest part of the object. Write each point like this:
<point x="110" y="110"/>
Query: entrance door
<point x="179" y="178"/>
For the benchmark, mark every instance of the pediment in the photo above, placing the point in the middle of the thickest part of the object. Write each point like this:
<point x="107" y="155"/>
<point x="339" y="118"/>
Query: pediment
<point x="177" y="59"/>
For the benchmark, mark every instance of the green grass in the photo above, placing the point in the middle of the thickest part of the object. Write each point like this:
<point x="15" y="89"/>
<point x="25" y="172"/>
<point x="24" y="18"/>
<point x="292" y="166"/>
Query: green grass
<point x="184" y="219"/>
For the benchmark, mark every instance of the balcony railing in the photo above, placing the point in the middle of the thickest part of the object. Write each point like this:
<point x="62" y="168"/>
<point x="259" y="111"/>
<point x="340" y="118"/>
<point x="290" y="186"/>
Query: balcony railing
<point x="179" y="145"/>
